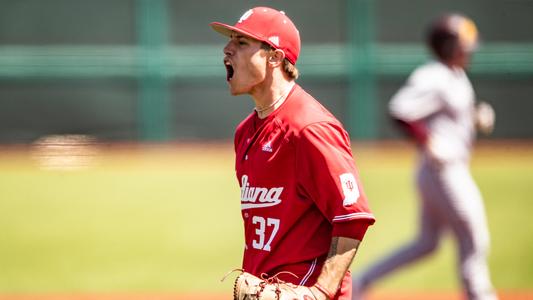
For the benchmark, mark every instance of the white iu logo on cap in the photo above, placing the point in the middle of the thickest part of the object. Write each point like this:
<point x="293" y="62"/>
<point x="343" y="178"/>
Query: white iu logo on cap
<point x="246" y="15"/>
<point x="274" y="40"/>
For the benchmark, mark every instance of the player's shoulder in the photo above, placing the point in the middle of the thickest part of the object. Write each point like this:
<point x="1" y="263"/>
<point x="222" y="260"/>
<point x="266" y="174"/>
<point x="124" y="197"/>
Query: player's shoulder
<point x="243" y="125"/>
<point x="302" y="110"/>
<point x="308" y="122"/>
<point x="432" y="72"/>
<point x="248" y="120"/>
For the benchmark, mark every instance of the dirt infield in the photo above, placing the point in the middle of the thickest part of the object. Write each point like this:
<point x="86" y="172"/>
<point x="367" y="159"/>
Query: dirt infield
<point x="504" y="295"/>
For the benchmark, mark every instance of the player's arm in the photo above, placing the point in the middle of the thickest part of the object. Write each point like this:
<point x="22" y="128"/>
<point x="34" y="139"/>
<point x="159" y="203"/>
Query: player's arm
<point x="419" y="133"/>
<point x="416" y="130"/>
<point x="418" y="99"/>
<point x="350" y="215"/>
<point x="410" y="106"/>
<point x="341" y="254"/>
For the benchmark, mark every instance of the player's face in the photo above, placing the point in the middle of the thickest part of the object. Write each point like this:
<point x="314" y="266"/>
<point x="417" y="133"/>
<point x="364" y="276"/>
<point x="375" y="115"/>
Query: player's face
<point x="466" y="42"/>
<point x="461" y="57"/>
<point x="246" y="64"/>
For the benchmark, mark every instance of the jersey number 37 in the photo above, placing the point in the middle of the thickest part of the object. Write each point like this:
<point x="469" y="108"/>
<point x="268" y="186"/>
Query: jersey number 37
<point x="263" y="240"/>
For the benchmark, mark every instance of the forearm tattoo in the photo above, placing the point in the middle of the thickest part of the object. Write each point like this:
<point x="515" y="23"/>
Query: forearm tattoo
<point x="333" y="247"/>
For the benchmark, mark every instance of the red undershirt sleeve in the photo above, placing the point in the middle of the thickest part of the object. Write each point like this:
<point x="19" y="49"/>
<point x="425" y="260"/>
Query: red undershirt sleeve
<point x="417" y="130"/>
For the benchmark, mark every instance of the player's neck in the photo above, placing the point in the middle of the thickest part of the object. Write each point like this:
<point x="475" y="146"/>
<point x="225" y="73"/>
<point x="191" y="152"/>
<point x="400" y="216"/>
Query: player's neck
<point x="458" y="62"/>
<point x="271" y="96"/>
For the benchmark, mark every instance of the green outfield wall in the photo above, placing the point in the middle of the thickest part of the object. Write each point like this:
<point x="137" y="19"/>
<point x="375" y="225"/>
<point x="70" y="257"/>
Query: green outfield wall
<point x="150" y="70"/>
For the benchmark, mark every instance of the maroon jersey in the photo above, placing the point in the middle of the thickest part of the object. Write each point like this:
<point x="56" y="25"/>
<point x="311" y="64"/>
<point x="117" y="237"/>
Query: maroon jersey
<point x="298" y="182"/>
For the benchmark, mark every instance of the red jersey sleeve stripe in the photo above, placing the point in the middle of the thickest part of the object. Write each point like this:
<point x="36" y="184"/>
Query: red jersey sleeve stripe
<point x="353" y="216"/>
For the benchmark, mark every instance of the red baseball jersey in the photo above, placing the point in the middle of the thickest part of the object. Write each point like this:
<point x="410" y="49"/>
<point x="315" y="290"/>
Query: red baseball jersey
<point x="298" y="181"/>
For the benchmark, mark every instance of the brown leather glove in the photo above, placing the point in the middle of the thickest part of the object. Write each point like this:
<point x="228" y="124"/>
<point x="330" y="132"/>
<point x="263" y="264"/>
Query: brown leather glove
<point x="250" y="287"/>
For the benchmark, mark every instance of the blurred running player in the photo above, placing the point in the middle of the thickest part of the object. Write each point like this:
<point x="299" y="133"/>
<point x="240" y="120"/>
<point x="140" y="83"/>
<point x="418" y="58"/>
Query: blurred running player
<point x="437" y="109"/>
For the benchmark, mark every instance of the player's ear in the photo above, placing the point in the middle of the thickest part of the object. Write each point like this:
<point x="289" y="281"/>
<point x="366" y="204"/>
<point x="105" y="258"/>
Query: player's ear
<point x="276" y="57"/>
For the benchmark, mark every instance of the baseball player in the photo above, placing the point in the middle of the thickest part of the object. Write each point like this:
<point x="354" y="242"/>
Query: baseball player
<point x="436" y="107"/>
<point x="303" y="207"/>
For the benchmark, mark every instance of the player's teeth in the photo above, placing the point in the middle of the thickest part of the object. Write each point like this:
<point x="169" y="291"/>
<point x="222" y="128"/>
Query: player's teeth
<point x="229" y="71"/>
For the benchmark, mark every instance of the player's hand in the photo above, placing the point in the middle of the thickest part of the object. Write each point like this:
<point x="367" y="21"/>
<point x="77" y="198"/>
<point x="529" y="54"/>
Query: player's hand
<point x="435" y="151"/>
<point x="484" y="118"/>
<point x="250" y="287"/>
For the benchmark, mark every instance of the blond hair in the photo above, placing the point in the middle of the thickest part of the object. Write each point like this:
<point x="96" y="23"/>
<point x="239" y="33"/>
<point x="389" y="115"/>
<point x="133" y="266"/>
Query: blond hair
<point x="288" y="67"/>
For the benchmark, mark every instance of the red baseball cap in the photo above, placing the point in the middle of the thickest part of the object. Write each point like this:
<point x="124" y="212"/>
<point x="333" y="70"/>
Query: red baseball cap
<point x="266" y="25"/>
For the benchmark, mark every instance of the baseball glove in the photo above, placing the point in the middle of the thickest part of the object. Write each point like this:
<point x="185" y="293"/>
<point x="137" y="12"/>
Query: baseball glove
<point x="250" y="287"/>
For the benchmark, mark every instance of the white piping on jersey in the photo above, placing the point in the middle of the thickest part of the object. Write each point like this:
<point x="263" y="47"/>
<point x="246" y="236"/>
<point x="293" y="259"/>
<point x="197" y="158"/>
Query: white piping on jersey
<point x="358" y="215"/>
<point x="257" y="205"/>
<point x="309" y="272"/>
<point x="265" y="196"/>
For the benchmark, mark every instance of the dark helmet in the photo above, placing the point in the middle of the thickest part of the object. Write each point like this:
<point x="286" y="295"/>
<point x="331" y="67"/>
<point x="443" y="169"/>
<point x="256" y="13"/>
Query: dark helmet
<point x="450" y="31"/>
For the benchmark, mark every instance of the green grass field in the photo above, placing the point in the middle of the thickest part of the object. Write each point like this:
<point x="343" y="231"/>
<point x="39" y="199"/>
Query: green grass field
<point x="168" y="220"/>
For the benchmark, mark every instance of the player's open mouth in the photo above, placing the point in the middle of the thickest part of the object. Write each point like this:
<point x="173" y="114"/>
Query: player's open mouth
<point x="229" y="70"/>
